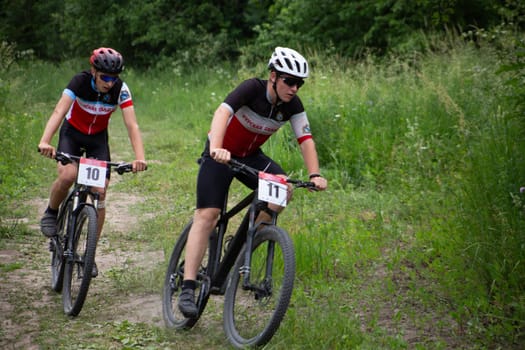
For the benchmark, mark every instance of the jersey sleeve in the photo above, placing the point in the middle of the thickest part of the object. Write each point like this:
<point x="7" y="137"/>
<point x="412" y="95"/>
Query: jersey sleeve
<point x="125" y="99"/>
<point x="70" y="93"/>
<point x="301" y="127"/>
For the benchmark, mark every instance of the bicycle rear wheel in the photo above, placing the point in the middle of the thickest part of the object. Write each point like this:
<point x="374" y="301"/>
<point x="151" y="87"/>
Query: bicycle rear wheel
<point x="79" y="264"/>
<point x="252" y="316"/>
<point x="56" y="246"/>
<point x="173" y="318"/>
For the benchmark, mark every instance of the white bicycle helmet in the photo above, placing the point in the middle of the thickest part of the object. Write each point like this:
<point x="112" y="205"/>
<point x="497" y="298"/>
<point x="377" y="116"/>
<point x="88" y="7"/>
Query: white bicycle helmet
<point x="285" y="60"/>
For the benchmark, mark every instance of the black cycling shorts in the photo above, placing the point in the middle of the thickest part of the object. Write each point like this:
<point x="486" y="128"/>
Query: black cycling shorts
<point x="214" y="179"/>
<point x="76" y="143"/>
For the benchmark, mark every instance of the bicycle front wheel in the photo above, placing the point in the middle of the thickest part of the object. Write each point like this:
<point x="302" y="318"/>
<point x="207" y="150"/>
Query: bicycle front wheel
<point x="253" y="313"/>
<point x="79" y="262"/>
<point x="173" y="318"/>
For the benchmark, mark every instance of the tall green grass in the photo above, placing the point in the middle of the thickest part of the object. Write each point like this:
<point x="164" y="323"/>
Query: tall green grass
<point x="422" y="225"/>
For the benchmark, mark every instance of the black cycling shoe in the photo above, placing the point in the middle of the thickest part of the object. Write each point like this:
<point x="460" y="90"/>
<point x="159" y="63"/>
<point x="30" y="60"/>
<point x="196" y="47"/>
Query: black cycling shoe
<point x="48" y="225"/>
<point x="187" y="303"/>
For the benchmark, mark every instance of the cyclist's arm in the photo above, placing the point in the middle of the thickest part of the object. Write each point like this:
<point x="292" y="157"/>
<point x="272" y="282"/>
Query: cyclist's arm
<point x="53" y="124"/>
<point x="311" y="162"/>
<point x="130" y="120"/>
<point x="217" y="132"/>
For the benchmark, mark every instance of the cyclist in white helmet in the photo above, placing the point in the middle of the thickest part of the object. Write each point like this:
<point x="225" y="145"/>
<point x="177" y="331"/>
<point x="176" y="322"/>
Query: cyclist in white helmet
<point x="249" y="115"/>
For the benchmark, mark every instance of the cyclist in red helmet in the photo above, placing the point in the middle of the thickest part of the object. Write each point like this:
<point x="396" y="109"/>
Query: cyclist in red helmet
<point x="82" y="114"/>
<point x="249" y="115"/>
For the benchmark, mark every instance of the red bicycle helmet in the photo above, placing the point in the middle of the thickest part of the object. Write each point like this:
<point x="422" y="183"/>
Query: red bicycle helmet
<point x="107" y="60"/>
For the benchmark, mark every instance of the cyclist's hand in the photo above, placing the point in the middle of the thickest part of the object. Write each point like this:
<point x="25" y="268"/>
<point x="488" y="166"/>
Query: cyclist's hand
<point x="46" y="150"/>
<point x="220" y="155"/>
<point x="139" y="165"/>
<point x="320" y="183"/>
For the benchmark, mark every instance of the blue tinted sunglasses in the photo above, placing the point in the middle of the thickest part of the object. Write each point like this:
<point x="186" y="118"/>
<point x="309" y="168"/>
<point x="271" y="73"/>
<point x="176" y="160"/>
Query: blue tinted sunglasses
<point x="108" y="78"/>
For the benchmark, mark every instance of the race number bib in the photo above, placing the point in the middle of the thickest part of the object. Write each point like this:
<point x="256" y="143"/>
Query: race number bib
<point x="272" y="189"/>
<point x="92" y="172"/>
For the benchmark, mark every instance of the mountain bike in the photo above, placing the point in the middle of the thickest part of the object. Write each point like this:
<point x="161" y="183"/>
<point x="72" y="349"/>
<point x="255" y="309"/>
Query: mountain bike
<point x="254" y="268"/>
<point x="73" y="247"/>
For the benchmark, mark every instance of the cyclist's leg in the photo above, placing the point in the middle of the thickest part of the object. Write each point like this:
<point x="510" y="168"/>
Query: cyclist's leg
<point x="101" y="207"/>
<point x="60" y="187"/>
<point x="58" y="192"/>
<point x="68" y="143"/>
<point x="213" y="182"/>
<point x="97" y="147"/>
<point x="204" y="221"/>
<point x="66" y="176"/>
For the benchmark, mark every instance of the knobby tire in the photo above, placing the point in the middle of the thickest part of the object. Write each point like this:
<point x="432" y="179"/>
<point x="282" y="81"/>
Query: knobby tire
<point x="252" y="318"/>
<point x="78" y="267"/>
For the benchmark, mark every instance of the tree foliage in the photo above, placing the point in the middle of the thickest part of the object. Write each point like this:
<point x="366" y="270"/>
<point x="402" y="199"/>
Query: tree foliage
<point x="160" y="32"/>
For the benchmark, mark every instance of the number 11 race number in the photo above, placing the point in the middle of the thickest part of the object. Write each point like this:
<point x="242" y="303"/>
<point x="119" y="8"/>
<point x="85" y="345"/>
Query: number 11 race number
<point x="92" y="172"/>
<point x="272" y="189"/>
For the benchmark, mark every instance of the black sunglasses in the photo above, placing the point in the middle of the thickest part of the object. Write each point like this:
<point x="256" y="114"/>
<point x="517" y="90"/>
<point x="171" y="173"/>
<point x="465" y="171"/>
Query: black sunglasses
<point x="291" y="81"/>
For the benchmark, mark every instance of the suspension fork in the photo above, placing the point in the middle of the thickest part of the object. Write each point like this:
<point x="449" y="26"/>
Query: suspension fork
<point x="71" y="224"/>
<point x="253" y="227"/>
<point x="78" y="204"/>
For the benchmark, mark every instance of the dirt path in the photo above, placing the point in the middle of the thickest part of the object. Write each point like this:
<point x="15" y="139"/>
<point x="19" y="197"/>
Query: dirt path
<point x="26" y="296"/>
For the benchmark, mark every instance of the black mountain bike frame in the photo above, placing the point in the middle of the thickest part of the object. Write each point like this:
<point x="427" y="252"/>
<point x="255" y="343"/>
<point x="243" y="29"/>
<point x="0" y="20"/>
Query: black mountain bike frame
<point x="221" y="264"/>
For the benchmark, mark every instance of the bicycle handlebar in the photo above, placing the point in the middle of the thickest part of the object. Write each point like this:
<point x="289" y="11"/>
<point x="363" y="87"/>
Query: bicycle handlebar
<point x="237" y="166"/>
<point x="120" y="168"/>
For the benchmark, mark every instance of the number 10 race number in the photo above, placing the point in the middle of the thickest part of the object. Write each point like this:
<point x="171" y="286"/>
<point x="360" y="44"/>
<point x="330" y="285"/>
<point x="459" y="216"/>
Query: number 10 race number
<point x="92" y="172"/>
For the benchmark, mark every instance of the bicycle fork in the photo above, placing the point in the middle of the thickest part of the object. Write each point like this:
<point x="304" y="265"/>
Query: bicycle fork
<point x="78" y="204"/>
<point x="265" y="288"/>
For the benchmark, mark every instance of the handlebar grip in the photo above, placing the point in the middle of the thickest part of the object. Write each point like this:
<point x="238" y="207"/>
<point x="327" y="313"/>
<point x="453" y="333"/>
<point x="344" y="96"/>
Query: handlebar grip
<point x="63" y="158"/>
<point x="124" y="168"/>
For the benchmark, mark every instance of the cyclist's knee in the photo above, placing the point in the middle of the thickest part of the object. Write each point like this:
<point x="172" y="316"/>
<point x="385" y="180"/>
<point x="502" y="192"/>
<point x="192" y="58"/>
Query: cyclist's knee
<point x="67" y="174"/>
<point x="207" y="215"/>
<point x="101" y="193"/>
<point x="275" y="208"/>
<point x="63" y="183"/>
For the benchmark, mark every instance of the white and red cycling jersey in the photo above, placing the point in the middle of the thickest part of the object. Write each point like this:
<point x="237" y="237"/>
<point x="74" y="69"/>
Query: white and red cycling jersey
<point x="254" y="118"/>
<point x="91" y="109"/>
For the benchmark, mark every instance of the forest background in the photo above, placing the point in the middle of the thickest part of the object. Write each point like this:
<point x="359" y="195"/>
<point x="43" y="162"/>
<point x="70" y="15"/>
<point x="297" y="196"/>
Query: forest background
<point x="419" y="108"/>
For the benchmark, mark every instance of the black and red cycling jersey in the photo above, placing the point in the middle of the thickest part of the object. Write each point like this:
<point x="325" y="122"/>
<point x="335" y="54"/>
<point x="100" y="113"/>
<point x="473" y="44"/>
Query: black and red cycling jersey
<point x="92" y="109"/>
<point x="254" y="118"/>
